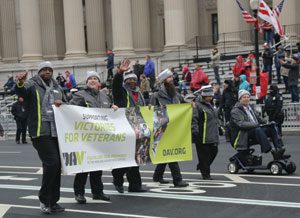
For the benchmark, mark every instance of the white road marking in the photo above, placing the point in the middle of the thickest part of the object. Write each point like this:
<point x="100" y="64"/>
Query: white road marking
<point x="236" y="178"/>
<point x="83" y="211"/>
<point x="16" y="178"/>
<point x="64" y="200"/>
<point x="241" y="201"/>
<point x="3" y="209"/>
<point x="10" y="152"/>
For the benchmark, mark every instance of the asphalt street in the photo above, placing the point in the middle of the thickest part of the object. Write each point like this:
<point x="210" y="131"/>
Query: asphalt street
<point x="227" y="195"/>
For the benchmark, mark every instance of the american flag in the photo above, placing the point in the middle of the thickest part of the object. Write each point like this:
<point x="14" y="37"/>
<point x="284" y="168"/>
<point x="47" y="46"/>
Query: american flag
<point x="247" y="17"/>
<point x="266" y="14"/>
<point x="277" y="10"/>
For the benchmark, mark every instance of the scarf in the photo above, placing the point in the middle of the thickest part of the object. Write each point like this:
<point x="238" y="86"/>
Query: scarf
<point x="140" y="101"/>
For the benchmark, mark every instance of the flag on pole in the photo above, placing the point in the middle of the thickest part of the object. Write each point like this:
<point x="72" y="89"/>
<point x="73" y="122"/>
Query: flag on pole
<point x="246" y="15"/>
<point x="266" y="14"/>
<point x="277" y="10"/>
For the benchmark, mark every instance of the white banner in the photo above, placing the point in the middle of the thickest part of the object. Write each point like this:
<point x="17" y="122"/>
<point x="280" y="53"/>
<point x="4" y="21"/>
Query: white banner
<point x="94" y="139"/>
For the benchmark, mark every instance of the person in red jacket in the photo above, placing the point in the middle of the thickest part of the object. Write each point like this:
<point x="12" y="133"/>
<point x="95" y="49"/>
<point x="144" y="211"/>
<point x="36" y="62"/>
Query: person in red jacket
<point x="239" y="66"/>
<point x="198" y="79"/>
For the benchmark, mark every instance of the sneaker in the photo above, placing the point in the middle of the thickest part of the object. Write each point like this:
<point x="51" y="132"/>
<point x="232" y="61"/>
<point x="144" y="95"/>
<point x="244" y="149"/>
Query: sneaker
<point x="137" y="190"/>
<point x="181" y="184"/>
<point x="102" y="197"/>
<point x="119" y="188"/>
<point x="56" y="208"/>
<point x="161" y="181"/>
<point x="80" y="199"/>
<point x="45" y="208"/>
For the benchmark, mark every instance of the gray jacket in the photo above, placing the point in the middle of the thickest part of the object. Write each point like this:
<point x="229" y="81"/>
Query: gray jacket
<point x="240" y="124"/>
<point x="293" y="75"/>
<point x="89" y="98"/>
<point x="205" y="124"/>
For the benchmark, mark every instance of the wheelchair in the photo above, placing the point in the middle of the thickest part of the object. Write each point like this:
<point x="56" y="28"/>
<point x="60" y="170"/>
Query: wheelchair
<point x="247" y="161"/>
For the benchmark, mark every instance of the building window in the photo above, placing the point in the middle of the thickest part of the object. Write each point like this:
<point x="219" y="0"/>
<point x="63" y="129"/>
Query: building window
<point x="215" y="31"/>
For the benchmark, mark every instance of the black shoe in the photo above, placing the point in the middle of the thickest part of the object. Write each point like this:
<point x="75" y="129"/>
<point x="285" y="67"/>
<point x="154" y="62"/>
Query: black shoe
<point x="18" y="142"/>
<point x="206" y="178"/>
<point x="56" y="208"/>
<point x="24" y="142"/>
<point x="102" y="197"/>
<point x="119" y="188"/>
<point x="80" y="199"/>
<point x="45" y="208"/>
<point x="181" y="184"/>
<point x="137" y="190"/>
<point x="161" y="181"/>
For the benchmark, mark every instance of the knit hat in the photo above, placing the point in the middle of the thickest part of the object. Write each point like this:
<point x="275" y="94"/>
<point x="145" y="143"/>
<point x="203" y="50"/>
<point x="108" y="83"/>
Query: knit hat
<point x="129" y="75"/>
<point x="207" y="91"/>
<point x="90" y="74"/>
<point x="243" y="92"/>
<point x="164" y="75"/>
<point x="44" y="65"/>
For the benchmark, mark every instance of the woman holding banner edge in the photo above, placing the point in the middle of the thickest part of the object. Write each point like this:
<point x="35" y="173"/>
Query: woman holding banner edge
<point x="91" y="96"/>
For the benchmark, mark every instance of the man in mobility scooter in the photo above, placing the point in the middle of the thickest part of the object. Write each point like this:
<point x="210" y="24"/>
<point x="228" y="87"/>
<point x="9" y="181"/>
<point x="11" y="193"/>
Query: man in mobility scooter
<point x="246" y="128"/>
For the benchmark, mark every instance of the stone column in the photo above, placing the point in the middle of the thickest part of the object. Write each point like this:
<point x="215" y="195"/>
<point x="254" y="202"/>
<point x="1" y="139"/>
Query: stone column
<point x="31" y="30"/>
<point x="229" y="16"/>
<point x="74" y="29"/>
<point x="157" y="25"/>
<point x="122" y="27"/>
<point x="174" y="23"/>
<point x="191" y="20"/>
<point x="288" y="18"/>
<point x="141" y="25"/>
<point x="8" y="31"/>
<point x="95" y="27"/>
<point x="53" y="32"/>
<point x="108" y="25"/>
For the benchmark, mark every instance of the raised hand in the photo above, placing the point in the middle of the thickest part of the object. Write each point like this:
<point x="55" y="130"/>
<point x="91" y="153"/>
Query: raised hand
<point x="21" y="77"/>
<point x="124" y="65"/>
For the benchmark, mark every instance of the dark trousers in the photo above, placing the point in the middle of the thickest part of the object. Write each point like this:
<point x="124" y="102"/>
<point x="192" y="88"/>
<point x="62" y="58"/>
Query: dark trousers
<point x="294" y="93"/>
<point x="206" y="155"/>
<point x="95" y="182"/>
<point x="217" y="76"/>
<point x="261" y="134"/>
<point x="133" y="177"/>
<point x="110" y="74"/>
<point x="47" y="148"/>
<point x="21" y="129"/>
<point x="152" y="81"/>
<point x="269" y="69"/>
<point x="286" y="84"/>
<point x="175" y="171"/>
<point x="278" y="74"/>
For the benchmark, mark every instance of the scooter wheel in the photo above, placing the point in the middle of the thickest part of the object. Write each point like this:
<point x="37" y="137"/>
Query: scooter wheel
<point x="290" y="167"/>
<point x="232" y="167"/>
<point x="276" y="169"/>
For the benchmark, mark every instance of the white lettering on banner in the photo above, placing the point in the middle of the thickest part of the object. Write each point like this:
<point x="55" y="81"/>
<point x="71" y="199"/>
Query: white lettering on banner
<point x="92" y="139"/>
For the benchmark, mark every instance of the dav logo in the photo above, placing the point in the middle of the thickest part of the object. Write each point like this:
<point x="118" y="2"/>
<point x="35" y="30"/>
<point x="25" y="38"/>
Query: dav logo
<point x="74" y="158"/>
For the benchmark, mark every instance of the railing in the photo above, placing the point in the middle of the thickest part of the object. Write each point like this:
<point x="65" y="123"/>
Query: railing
<point x="291" y="116"/>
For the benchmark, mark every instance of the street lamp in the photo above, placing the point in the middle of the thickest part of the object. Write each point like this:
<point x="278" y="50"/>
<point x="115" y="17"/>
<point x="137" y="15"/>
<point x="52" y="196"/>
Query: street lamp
<point x="254" y="4"/>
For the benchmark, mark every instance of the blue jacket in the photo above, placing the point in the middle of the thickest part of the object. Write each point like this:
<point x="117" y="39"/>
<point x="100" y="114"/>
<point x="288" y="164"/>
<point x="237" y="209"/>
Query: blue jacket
<point x="244" y="84"/>
<point x="149" y="69"/>
<point x="110" y="61"/>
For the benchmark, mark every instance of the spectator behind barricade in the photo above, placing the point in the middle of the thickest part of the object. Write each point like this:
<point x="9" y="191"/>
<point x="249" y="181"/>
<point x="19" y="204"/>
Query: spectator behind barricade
<point x="267" y="60"/>
<point x="198" y="78"/>
<point x="293" y="77"/>
<point x="263" y="81"/>
<point x="217" y="95"/>
<point x="70" y="80"/>
<point x="215" y="62"/>
<point x="236" y="83"/>
<point x="138" y="70"/>
<point x="298" y="48"/>
<point x="61" y="80"/>
<point x="268" y="32"/>
<point x="18" y="109"/>
<point x="110" y="64"/>
<point x="228" y="100"/>
<point x="149" y="71"/>
<point x="91" y="97"/>
<point x="175" y="77"/>
<point x="239" y="66"/>
<point x="285" y="71"/>
<point x="205" y="131"/>
<point x="1" y="131"/>
<point x="244" y="85"/>
<point x="186" y="75"/>
<point x="278" y="56"/>
<point x="145" y="88"/>
<point x="248" y="66"/>
<point x="246" y="125"/>
<point x="10" y="84"/>
<point x="273" y="107"/>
